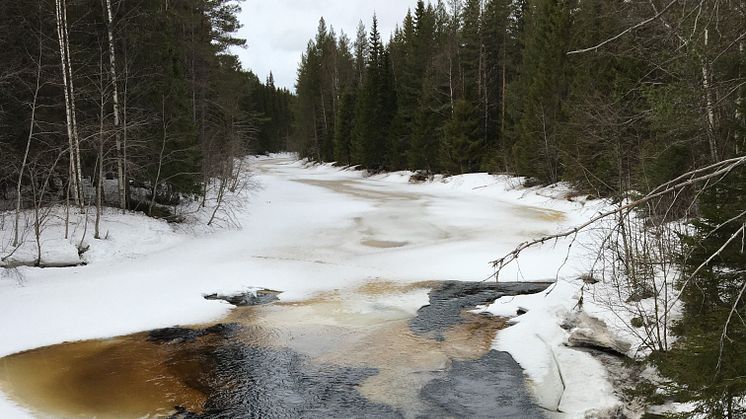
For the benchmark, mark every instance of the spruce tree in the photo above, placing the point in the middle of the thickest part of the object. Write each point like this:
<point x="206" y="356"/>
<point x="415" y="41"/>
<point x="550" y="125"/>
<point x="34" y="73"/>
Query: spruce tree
<point x="402" y="55"/>
<point x="500" y="51"/>
<point x="306" y="135"/>
<point x="462" y="146"/>
<point x="463" y="140"/>
<point x="542" y="90"/>
<point x="471" y="52"/>
<point x="344" y="129"/>
<point x="374" y="107"/>
<point x="708" y="362"/>
<point x="360" y="47"/>
<point x="598" y="150"/>
<point x="425" y="153"/>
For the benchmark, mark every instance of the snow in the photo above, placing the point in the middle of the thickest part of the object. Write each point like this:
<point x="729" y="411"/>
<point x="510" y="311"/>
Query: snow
<point x="306" y="229"/>
<point x="537" y="343"/>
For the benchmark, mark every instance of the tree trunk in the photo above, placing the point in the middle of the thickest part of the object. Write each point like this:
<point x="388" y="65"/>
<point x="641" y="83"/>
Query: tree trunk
<point x="503" y="106"/>
<point x="450" y="79"/>
<point x="16" y="239"/>
<point x="72" y="130"/>
<point x="710" y="107"/>
<point x="115" y="99"/>
<point x="322" y="152"/>
<point x="125" y="177"/>
<point x="160" y="157"/>
<point x="316" y="135"/>
<point x="76" y="137"/>
<point x="739" y="96"/>
<point x="37" y="228"/>
<point x="485" y="91"/>
<point x="221" y="193"/>
<point x="100" y="162"/>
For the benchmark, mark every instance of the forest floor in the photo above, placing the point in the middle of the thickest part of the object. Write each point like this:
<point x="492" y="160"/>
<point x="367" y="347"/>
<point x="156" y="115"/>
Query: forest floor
<point x="311" y="229"/>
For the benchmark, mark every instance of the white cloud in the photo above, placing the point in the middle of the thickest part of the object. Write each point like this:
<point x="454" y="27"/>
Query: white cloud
<point x="277" y="31"/>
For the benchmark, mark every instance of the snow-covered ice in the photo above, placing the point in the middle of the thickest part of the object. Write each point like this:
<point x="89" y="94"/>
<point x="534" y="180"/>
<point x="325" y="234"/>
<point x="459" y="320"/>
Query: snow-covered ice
<point x="313" y="228"/>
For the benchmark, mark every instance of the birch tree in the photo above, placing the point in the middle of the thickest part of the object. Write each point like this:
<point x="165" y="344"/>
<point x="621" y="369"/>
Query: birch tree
<point x="121" y="162"/>
<point x="76" y="177"/>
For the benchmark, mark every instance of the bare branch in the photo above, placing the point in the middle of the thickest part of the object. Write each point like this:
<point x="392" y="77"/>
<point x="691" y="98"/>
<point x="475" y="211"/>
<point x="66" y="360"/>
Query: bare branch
<point x="690" y="178"/>
<point x="624" y="32"/>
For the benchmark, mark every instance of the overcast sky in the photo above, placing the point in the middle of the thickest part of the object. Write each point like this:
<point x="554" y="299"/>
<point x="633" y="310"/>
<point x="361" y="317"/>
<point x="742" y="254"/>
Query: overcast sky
<point x="277" y="31"/>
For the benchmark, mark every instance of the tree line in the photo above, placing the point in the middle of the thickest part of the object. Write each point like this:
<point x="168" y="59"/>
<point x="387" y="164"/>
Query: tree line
<point x="130" y="103"/>
<point x="502" y="85"/>
<point x="640" y="101"/>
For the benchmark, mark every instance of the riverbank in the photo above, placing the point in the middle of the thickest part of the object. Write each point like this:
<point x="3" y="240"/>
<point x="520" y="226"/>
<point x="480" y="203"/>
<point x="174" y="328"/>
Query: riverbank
<point x="306" y="229"/>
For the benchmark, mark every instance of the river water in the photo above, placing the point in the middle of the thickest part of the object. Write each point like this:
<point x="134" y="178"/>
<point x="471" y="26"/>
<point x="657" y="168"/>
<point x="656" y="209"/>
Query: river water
<point x="360" y="352"/>
<point x="353" y="336"/>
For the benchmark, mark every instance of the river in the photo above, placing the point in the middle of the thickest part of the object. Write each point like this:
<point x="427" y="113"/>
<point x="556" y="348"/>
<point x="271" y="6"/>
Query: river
<point x="369" y="321"/>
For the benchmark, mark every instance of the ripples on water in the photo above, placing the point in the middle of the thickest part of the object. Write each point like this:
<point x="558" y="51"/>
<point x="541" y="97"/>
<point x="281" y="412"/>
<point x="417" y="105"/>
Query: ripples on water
<point x="360" y="353"/>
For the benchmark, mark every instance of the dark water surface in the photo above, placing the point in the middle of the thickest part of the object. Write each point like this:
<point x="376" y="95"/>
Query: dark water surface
<point x="360" y="353"/>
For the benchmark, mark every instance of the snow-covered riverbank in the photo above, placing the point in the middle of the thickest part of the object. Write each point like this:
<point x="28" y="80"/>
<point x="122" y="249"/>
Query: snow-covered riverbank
<point x="315" y="228"/>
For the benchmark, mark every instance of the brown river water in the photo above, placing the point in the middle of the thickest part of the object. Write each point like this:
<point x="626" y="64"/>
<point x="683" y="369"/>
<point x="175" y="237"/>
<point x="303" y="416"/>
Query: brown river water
<point x="363" y="352"/>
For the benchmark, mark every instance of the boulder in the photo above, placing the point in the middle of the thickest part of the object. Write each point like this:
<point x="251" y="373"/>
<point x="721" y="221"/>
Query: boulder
<point x="249" y="298"/>
<point x="590" y="332"/>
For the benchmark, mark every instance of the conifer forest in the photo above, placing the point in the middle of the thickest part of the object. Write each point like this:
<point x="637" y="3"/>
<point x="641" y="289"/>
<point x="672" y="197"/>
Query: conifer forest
<point x="598" y="146"/>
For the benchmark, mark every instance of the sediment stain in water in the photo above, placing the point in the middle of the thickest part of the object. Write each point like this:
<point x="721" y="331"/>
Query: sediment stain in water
<point x="365" y="352"/>
<point x="123" y="377"/>
<point x="358" y="190"/>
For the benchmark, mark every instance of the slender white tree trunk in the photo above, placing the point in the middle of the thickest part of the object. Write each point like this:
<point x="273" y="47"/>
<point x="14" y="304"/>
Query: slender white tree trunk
<point x="450" y="80"/>
<point x="76" y="142"/>
<point x="160" y="156"/>
<point x="115" y="99"/>
<point x="72" y="129"/>
<point x="100" y="160"/>
<point x="739" y="97"/>
<point x="63" y="62"/>
<point x="67" y="211"/>
<point x="125" y="178"/>
<point x="710" y="107"/>
<point x="37" y="229"/>
<point x="99" y="186"/>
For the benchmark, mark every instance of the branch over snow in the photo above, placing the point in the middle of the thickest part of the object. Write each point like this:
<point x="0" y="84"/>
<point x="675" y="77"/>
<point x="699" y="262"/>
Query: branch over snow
<point x="722" y="168"/>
